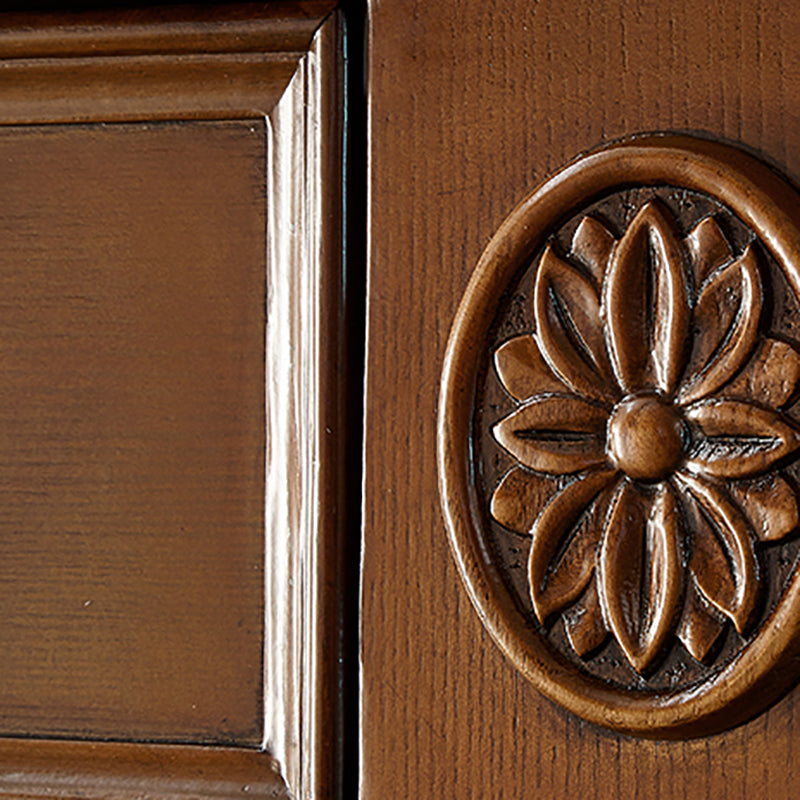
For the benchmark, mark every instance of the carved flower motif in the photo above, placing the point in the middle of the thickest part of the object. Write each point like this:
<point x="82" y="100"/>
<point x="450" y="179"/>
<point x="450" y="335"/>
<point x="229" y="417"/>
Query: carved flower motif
<point x="647" y="384"/>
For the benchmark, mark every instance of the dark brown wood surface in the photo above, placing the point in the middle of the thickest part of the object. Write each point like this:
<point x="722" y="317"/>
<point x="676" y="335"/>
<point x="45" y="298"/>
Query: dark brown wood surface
<point x="125" y="771"/>
<point x="311" y="536"/>
<point x="286" y="26"/>
<point x="225" y="61"/>
<point x="139" y="260"/>
<point x="132" y="431"/>
<point x="472" y="105"/>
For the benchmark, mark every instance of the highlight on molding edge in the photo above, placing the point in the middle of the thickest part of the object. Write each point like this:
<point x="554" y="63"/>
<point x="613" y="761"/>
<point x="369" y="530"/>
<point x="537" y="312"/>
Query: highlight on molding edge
<point x="619" y="438"/>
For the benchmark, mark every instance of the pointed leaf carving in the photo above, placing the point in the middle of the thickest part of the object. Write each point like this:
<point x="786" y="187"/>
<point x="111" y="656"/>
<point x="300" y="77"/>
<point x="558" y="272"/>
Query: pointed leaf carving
<point x="771" y="506"/>
<point x="522" y="370"/>
<point x="640" y="571"/>
<point x="737" y="439"/>
<point x="634" y="342"/>
<point x="708" y="247"/>
<point x="771" y="376"/>
<point x="592" y="244"/>
<point x="726" y="320"/>
<point x="519" y="497"/>
<point x="646" y="304"/>
<point x="723" y="560"/>
<point x="568" y="327"/>
<point x="565" y="537"/>
<point x="700" y="627"/>
<point x="584" y="624"/>
<point x="558" y="434"/>
<point x="709" y="565"/>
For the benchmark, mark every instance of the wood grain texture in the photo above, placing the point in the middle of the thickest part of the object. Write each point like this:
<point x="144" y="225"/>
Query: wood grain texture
<point x="472" y="104"/>
<point x="132" y="433"/>
<point x="229" y="216"/>
<point x="611" y="485"/>
<point x="282" y="26"/>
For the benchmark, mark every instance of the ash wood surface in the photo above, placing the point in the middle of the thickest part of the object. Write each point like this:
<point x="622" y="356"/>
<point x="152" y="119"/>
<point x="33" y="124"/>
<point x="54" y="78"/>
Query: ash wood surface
<point x="132" y="432"/>
<point x="473" y="104"/>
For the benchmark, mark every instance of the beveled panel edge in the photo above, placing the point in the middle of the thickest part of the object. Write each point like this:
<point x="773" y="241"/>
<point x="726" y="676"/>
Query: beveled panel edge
<point x="116" y="771"/>
<point x="306" y="351"/>
<point x="156" y="64"/>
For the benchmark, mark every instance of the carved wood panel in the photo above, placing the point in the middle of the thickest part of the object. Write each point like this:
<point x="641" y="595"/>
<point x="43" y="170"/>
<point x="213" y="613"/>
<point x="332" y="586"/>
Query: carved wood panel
<point x="667" y="439"/>
<point x="631" y="430"/>
<point x="473" y="105"/>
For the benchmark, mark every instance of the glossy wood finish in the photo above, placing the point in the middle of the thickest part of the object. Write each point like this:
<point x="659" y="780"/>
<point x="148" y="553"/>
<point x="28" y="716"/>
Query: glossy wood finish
<point x="128" y="771"/>
<point x="620" y="481"/>
<point x="276" y="70"/>
<point x="472" y="105"/>
<point x="132" y="431"/>
<point x="281" y="26"/>
<point x="308" y="522"/>
<point x="173" y="63"/>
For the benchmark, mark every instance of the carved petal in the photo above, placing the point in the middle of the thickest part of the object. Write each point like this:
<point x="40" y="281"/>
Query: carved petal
<point x="771" y="505"/>
<point x="771" y="377"/>
<point x="640" y="573"/>
<point x="700" y="627"/>
<point x="738" y="439"/>
<point x="565" y="537"/>
<point x="646" y="304"/>
<point x="519" y="497"/>
<point x="557" y="434"/>
<point x="568" y="327"/>
<point x="523" y="371"/>
<point x="584" y="624"/>
<point x="592" y="245"/>
<point x="726" y="325"/>
<point x="708" y="248"/>
<point x="723" y="559"/>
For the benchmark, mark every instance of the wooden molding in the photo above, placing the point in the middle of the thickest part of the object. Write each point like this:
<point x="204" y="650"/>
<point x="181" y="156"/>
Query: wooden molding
<point x="305" y="422"/>
<point x="178" y="63"/>
<point x="95" y="770"/>
<point x="286" y="26"/>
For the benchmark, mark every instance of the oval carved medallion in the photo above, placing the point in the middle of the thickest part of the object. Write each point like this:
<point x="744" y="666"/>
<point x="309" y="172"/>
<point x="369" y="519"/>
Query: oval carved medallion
<point x="619" y="446"/>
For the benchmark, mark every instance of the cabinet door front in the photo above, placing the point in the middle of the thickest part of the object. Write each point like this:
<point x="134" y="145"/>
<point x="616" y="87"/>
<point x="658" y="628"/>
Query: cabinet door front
<point x="580" y="515"/>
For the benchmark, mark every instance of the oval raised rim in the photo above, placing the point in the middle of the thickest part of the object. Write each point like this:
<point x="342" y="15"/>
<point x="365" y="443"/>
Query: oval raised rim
<point x="768" y="205"/>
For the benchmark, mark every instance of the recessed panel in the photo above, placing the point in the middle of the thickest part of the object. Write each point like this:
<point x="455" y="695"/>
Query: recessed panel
<point x="132" y="321"/>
